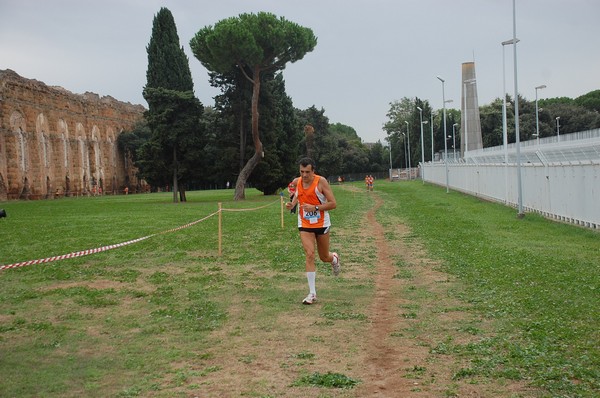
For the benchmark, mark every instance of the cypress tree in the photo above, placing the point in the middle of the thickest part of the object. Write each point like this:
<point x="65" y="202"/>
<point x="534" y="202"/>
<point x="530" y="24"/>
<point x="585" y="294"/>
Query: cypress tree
<point x="174" y="113"/>
<point x="168" y="66"/>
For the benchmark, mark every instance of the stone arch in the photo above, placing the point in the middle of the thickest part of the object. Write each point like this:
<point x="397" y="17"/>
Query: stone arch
<point x="112" y="143"/>
<point x="95" y="155"/>
<point x="63" y="133"/>
<point x="18" y="128"/>
<point x="17" y="154"/>
<point x="42" y="129"/>
<point x="17" y="121"/>
<point x="83" y="169"/>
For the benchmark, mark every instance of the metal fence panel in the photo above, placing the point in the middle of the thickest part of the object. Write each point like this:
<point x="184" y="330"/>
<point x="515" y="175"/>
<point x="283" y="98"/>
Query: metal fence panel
<point x="560" y="179"/>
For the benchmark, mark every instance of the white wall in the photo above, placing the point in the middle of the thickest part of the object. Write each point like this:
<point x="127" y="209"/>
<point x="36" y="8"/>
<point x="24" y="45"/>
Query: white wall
<point x="567" y="190"/>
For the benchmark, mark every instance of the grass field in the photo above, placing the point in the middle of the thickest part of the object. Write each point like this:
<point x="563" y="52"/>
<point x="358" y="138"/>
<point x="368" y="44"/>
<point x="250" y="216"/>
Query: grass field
<point x="155" y="318"/>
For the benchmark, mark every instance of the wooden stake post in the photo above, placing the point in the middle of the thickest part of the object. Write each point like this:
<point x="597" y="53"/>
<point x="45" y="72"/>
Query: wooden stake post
<point x="281" y="196"/>
<point x="220" y="227"/>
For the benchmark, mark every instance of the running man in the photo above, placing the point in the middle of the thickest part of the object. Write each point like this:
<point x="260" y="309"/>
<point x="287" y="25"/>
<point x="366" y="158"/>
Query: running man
<point x="292" y="192"/>
<point x="315" y="198"/>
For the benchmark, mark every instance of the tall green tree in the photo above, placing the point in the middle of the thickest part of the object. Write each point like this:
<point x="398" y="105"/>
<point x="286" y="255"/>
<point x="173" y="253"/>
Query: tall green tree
<point x="254" y="44"/>
<point x="174" y="113"/>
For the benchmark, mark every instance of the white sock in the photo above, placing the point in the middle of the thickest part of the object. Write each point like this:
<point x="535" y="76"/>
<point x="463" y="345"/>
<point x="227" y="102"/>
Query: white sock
<point x="312" y="276"/>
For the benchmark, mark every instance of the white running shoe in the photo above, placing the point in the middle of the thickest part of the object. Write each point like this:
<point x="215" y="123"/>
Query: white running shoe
<point x="335" y="264"/>
<point x="310" y="299"/>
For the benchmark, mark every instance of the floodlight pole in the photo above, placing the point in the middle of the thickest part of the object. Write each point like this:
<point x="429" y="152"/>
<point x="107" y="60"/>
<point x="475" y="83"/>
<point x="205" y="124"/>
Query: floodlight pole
<point x="454" y="140"/>
<point x="504" y="122"/>
<point x="445" y="140"/>
<point x="432" y="154"/>
<point x="422" y="148"/>
<point x="520" y="212"/>
<point x="409" y="164"/>
<point x="390" y="143"/>
<point x="405" y="161"/>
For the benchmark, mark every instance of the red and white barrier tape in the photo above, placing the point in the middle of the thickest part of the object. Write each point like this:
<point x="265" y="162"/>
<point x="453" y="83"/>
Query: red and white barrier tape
<point x="72" y="255"/>
<point x="99" y="249"/>
<point x="252" y="209"/>
<point x="189" y="225"/>
<point x="110" y="247"/>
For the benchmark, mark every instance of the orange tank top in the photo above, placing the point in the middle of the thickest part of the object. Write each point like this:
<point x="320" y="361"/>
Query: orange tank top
<point x="311" y="196"/>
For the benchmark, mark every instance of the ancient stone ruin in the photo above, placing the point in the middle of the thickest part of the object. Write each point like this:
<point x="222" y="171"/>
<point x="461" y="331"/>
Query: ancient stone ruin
<point x="54" y="143"/>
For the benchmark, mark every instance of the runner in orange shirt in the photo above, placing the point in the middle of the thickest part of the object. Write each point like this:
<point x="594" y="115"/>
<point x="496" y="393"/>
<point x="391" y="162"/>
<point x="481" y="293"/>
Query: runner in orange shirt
<point x="315" y="199"/>
<point x="292" y="192"/>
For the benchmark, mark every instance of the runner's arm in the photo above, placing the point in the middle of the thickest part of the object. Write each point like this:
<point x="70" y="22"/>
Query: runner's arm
<point x="325" y="188"/>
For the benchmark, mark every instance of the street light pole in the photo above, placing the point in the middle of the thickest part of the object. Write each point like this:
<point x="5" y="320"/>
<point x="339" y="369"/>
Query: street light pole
<point x="390" y="142"/>
<point x="422" y="147"/>
<point x="537" y="118"/>
<point x="558" y="128"/>
<point x="404" y="141"/>
<point x="520" y="213"/>
<point x="445" y="140"/>
<point x="504" y="123"/>
<point x="432" y="154"/>
<point x="454" y="140"/>
<point x="409" y="164"/>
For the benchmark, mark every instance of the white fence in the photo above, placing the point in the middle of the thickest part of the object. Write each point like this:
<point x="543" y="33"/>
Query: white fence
<point x="559" y="179"/>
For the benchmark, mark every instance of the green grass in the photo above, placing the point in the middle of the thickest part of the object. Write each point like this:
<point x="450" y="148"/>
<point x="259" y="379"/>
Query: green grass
<point x="539" y="281"/>
<point x="128" y="322"/>
<point x="326" y="380"/>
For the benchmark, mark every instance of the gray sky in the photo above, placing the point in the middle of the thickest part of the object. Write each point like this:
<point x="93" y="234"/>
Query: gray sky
<point x="369" y="52"/>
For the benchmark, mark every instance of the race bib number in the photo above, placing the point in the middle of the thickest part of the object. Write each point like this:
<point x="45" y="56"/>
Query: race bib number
<point x="312" y="216"/>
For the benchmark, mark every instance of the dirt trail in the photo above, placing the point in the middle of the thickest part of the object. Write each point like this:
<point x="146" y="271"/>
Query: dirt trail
<point x="399" y="356"/>
<point x="386" y="359"/>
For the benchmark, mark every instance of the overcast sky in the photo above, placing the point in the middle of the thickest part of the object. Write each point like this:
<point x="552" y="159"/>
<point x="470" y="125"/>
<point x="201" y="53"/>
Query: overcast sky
<point x="369" y="52"/>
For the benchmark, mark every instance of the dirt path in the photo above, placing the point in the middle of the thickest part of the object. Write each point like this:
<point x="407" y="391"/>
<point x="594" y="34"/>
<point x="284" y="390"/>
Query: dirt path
<point x="385" y="358"/>
<point x="411" y="316"/>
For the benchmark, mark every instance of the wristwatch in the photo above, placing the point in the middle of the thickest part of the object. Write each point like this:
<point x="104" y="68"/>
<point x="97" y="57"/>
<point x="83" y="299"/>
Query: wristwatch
<point x="316" y="208"/>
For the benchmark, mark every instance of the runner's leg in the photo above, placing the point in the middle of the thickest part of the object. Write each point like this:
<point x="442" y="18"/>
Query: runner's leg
<point x="308" y="243"/>
<point x="323" y="247"/>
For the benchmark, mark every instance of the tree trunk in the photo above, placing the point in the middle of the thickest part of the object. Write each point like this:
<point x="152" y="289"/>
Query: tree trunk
<point x="258" y="147"/>
<point x="242" y="140"/>
<point x="175" y="186"/>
